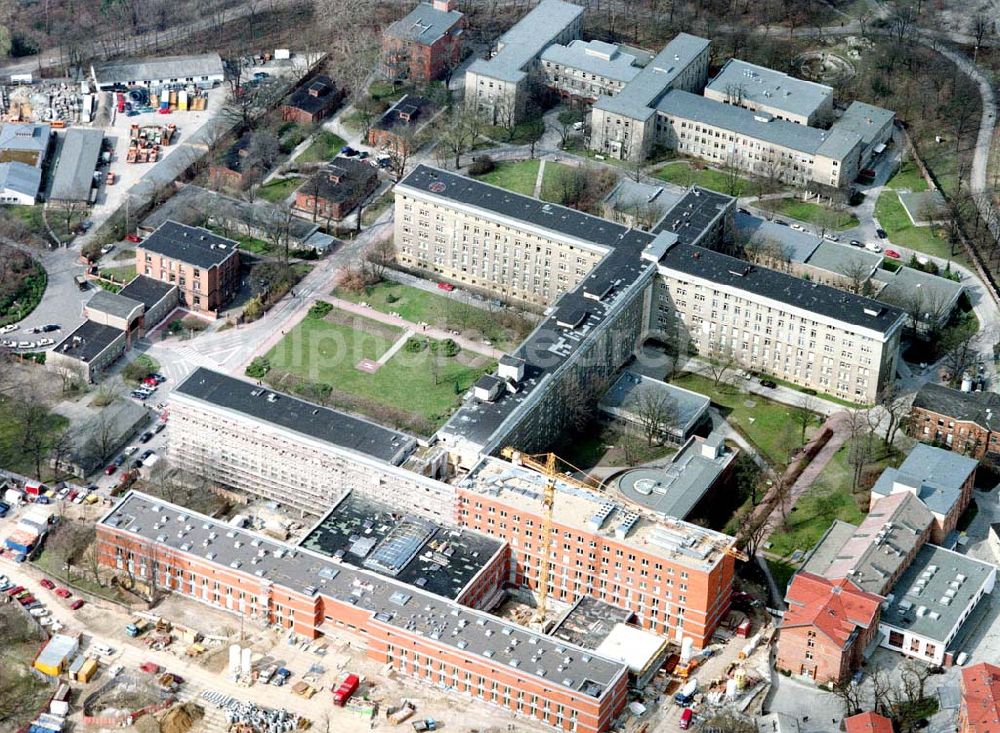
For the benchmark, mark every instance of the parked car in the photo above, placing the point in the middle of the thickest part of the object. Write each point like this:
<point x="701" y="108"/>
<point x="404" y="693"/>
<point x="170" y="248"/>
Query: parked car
<point x="130" y="450"/>
<point x="62" y="593"/>
<point x="50" y="327"/>
<point x="880" y="233"/>
<point x="831" y="237"/>
<point x="348" y="152"/>
<point x="4" y="508"/>
<point x="135" y="238"/>
<point x="159" y="427"/>
<point x="770" y="384"/>
<point x="146" y="455"/>
<point x="447" y="287"/>
<point x="76" y="605"/>
<point x="873" y="247"/>
<point x="892" y="253"/>
<point x="107" y="248"/>
<point x="782" y="223"/>
<point x="797" y="227"/>
<point x="74" y="493"/>
<point x="160" y="379"/>
<point x="46" y="584"/>
<point x="119" y="460"/>
<point x="108" y="470"/>
<point x="146" y="437"/>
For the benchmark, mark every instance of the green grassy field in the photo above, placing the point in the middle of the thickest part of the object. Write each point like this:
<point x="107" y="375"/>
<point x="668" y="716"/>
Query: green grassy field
<point x="421" y="306"/>
<point x="325" y="352"/>
<point x="768" y="425"/>
<point x="122" y="274"/>
<point x="517" y="176"/>
<point x="324" y="147"/>
<point x="13" y="456"/>
<point x="829" y="498"/>
<point x="908" y="178"/>
<point x="551" y="180"/>
<point x="683" y="174"/>
<point x="278" y="190"/>
<point x="892" y="216"/>
<point x="816" y="214"/>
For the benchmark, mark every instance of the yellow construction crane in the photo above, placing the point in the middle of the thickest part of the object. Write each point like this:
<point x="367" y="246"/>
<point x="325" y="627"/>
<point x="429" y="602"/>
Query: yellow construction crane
<point x="738" y="554"/>
<point x="548" y="468"/>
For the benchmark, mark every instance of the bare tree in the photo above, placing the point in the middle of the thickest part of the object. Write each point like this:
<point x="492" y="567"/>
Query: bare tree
<point x="656" y="412"/>
<point x="980" y="26"/>
<point x="851" y="695"/>
<point x="720" y="360"/>
<point x="860" y="448"/>
<point x="960" y="350"/>
<point x="894" y="403"/>
<point x="804" y="413"/>
<point x="631" y="446"/>
<point x="102" y="440"/>
<point x="856" y="273"/>
<point x="379" y="257"/>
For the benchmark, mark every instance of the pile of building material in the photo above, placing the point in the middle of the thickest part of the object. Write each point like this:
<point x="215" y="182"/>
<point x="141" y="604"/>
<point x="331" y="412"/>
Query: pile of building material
<point x="47" y="723"/>
<point x="145" y="142"/>
<point x="58" y="104"/>
<point x="181" y="718"/>
<point x="246" y="717"/>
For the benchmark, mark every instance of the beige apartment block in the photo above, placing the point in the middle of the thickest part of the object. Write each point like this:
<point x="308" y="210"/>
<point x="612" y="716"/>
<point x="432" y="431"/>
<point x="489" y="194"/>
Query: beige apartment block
<point x="785" y="97"/>
<point x="301" y="455"/>
<point x="802" y="332"/>
<point x="484" y="238"/>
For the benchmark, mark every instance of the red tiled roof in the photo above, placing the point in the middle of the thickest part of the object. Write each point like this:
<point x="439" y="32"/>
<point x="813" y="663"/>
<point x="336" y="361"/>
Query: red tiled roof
<point x="868" y="723"/>
<point x="835" y="607"/>
<point x="981" y="698"/>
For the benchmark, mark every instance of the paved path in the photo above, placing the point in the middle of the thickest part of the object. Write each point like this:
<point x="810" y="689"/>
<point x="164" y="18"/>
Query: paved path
<point x="434" y="333"/>
<point x="838" y="423"/>
<point x="400" y="343"/>
<point x="537" y="193"/>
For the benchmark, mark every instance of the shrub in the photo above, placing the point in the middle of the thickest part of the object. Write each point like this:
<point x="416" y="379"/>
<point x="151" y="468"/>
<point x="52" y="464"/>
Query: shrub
<point x="258" y="367"/>
<point x="319" y="309"/>
<point x="253" y="310"/>
<point x="481" y="165"/>
<point x="448" y="347"/>
<point x="138" y="369"/>
<point x="391" y="298"/>
<point x="193" y="323"/>
<point x="415" y="345"/>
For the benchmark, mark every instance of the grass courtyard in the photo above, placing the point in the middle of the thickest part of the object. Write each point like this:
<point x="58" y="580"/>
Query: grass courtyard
<point x="908" y="178"/>
<point x="768" y="425"/>
<point x="322" y="149"/>
<point x="892" y="216"/>
<point x="421" y="306"/>
<point x="684" y="174"/>
<point x="517" y="176"/>
<point x="816" y="214"/>
<point x="414" y="390"/>
<point x="279" y="189"/>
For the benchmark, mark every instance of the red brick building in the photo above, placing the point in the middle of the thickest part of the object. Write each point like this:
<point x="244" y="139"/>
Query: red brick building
<point x="425" y="45"/>
<point x="980" y="708"/>
<point x="335" y="191"/>
<point x="827" y="628"/>
<point x="444" y="642"/>
<point x="313" y="101"/>
<point x="966" y="422"/>
<point x="868" y="723"/>
<point x="232" y="171"/>
<point x="204" y="266"/>
<point x="626" y="560"/>
<point x="395" y="130"/>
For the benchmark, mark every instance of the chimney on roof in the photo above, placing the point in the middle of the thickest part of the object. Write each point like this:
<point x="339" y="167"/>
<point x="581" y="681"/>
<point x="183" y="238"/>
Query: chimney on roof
<point x="443" y="5"/>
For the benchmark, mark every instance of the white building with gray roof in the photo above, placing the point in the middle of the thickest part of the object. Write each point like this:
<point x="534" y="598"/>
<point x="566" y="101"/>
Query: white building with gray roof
<point x="497" y="88"/>
<point x="203" y="70"/>
<point x="19" y="183"/>
<point x="585" y="70"/>
<point x="758" y="88"/>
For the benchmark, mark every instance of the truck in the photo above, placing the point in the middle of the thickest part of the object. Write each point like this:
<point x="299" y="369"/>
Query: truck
<point x="425" y="724"/>
<point x="266" y="674"/>
<point x="136" y="627"/>
<point x="281" y="677"/>
<point x="347" y="688"/>
<point x="399" y="713"/>
<point x="686" y="694"/>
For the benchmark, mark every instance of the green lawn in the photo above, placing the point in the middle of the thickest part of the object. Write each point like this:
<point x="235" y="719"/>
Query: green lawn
<point x="517" y="176"/>
<point x="248" y="244"/>
<point x="324" y="146"/>
<point x="278" y="190"/>
<point x="683" y="174"/>
<point x="421" y="306"/>
<point x="325" y="352"/>
<point x="13" y="456"/>
<point x="768" y="425"/>
<point x="551" y="180"/>
<point x="827" y="499"/>
<point x="816" y="214"/>
<point x="122" y="274"/>
<point x="908" y="178"/>
<point x="892" y="216"/>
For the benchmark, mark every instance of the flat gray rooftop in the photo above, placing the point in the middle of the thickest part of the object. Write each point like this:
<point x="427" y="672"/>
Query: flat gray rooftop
<point x="642" y="94"/>
<point x="931" y="596"/>
<point x="687" y="407"/>
<point x="762" y="86"/>
<point x="675" y="489"/>
<point x="594" y="57"/>
<point x="937" y="475"/>
<point x="527" y="39"/>
<point x="798" y="246"/>
<point x="938" y="294"/>
<point x="113" y="304"/>
<point x="843" y="259"/>
<point x="589" y="622"/>
<point x="865" y="120"/>
<point x="756" y="125"/>
<point x="76" y="161"/>
<point x="694" y="214"/>
<point x="310" y="420"/>
<point x="88" y="341"/>
<point x="387" y="540"/>
<point x="178" y="68"/>
<point x="411" y="610"/>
